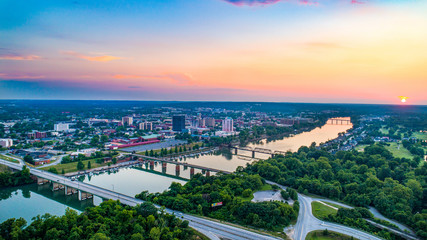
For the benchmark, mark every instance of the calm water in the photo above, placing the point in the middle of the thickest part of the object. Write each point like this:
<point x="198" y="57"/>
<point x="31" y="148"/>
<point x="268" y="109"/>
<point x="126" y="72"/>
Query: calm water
<point x="29" y="201"/>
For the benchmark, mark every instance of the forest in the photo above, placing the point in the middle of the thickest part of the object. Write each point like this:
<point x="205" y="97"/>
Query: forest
<point x="9" y="179"/>
<point x="234" y="191"/>
<point x="397" y="187"/>
<point x="110" y="220"/>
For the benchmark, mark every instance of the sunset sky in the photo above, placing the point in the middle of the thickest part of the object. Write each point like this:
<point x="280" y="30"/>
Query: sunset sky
<point x="345" y="51"/>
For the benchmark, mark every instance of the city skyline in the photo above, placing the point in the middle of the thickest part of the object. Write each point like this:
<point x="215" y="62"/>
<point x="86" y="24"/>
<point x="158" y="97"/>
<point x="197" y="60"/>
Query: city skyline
<point x="215" y="50"/>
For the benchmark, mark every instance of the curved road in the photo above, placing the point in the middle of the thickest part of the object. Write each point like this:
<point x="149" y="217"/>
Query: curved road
<point x="307" y="222"/>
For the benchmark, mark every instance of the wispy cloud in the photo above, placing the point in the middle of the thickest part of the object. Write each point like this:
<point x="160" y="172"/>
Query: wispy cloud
<point x="323" y="45"/>
<point x="251" y="2"/>
<point x="269" y="2"/>
<point x="103" y="58"/>
<point x="19" y="76"/>
<point x="176" y="78"/>
<point x="19" y="58"/>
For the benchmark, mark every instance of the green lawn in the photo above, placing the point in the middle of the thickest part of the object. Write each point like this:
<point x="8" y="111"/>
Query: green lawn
<point x="334" y="205"/>
<point x="420" y="135"/>
<point x="384" y="130"/>
<point x="8" y="159"/>
<point x="399" y="151"/>
<point x="361" y="147"/>
<point x="72" y="167"/>
<point x="319" y="235"/>
<point x="321" y="211"/>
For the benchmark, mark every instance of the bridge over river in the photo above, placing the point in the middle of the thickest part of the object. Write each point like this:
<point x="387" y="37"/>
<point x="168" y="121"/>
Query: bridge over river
<point x="212" y="229"/>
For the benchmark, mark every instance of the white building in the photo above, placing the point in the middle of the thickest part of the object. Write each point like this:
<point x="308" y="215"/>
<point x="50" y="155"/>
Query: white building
<point x="6" y="143"/>
<point x="227" y="125"/>
<point x="127" y="121"/>
<point x="60" y="127"/>
<point x="146" y="126"/>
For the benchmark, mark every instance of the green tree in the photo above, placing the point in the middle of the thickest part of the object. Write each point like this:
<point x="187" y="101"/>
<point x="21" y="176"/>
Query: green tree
<point x="80" y="165"/>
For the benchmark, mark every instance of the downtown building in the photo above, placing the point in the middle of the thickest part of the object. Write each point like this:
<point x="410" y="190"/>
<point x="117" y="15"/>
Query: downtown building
<point x="127" y="121"/>
<point x="227" y="125"/>
<point x="146" y="126"/>
<point x="61" y="127"/>
<point x="6" y="143"/>
<point x="178" y="123"/>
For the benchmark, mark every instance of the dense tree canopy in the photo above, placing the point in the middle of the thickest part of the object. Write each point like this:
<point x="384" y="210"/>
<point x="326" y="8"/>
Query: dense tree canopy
<point x="396" y="187"/>
<point x="110" y="220"/>
<point x="198" y="194"/>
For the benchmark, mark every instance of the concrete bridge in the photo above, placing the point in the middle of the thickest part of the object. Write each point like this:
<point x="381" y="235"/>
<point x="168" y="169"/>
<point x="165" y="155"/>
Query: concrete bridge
<point x="164" y="161"/>
<point x="211" y="228"/>
<point x="338" y="121"/>
<point x="258" y="150"/>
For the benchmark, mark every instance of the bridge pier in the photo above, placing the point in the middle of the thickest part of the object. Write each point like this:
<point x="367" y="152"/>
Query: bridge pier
<point x="56" y="186"/>
<point x="151" y="165"/>
<point x="84" y="195"/>
<point x="70" y="190"/>
<point x="208" y="173"/>
<point x="177" y="170"/>
<point x="164" y="167"/>
<point x="235" y="151"/>
<point x="191" y="172"/>
<point x="41" y="181"/>
<point x="253" y="154"/>
<point x="272" y="155"/>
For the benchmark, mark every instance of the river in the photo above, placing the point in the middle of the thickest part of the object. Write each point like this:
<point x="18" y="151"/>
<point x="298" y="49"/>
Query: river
<point x="31" y="200"/>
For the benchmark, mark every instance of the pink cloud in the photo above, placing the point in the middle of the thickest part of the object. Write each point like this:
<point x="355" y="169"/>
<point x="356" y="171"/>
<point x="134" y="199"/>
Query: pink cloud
<point x="176" y="78"/>
<point x="103" y="58"/>
<point x="19" y="76"/>
<point x="19" y="58"/>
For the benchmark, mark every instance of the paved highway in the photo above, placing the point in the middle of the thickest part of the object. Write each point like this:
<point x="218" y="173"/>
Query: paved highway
<point x="213" y="229"/>
<point x="307" y="222"/>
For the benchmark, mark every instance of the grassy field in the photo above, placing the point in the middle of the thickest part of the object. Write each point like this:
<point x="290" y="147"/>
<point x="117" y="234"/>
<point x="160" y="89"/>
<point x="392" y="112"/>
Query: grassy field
<point x="361" y="147"/>
<point x="334" y="205"/>
<point x="419" y="135"/>
<point x="8" y="159"/>
<point x="321" y="211"/>
<point x="318" y="235"/>
<point x="384" y="131"/>
<point x="399" y="151"/>
<point x="3" y="168"/>
<point x="72" y="167"/>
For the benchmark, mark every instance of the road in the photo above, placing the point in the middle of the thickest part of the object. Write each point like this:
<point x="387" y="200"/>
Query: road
<point x="21" y="162"/>
<point x="58" y="161"/>
<point x="213" y="229"/>
<point x="307" y="222"/>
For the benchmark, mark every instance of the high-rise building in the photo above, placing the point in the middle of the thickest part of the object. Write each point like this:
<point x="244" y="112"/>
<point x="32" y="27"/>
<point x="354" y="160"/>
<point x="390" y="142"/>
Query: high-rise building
<point x="127" y="121"/>
<point x="6" y="143"/>
<point x="146" y="126"/>
<point x="178" y="123"/>
<point x="61" y="127"/>
<point x="210" y="122"/>
<point x="227" y="125"/>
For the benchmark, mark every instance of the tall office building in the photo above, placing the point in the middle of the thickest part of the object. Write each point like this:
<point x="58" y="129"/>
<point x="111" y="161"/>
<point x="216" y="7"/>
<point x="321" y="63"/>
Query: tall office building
<point x="210" y="122"/>
<point x="178" y="123"/>
<point x="146" y="126"/>
<point x="6" y="143"/>
<point x="227" y="124"/>
<point x="127" y="121"/>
